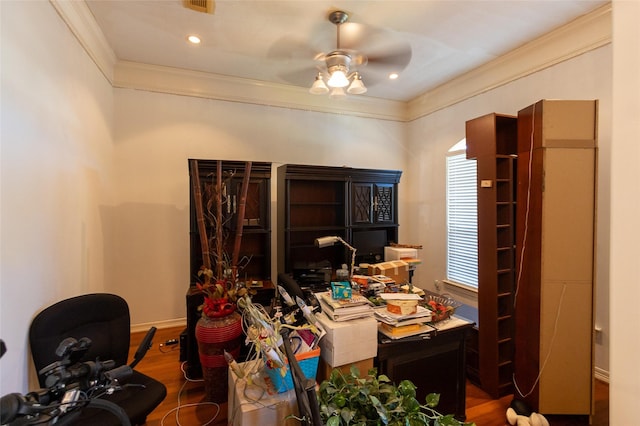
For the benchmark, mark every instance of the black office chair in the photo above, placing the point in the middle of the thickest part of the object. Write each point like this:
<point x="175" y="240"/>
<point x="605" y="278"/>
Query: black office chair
<point x="104" y="319"/>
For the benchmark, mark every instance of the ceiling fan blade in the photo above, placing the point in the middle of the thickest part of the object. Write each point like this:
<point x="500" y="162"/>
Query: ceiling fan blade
<point x="290" y="48"/>
<point x="299" y="59"/>
<point x="302" y="77"/>
<point x="354" y="36"/>
<point x="395" y="61"/>
<point x="377" y="50"/>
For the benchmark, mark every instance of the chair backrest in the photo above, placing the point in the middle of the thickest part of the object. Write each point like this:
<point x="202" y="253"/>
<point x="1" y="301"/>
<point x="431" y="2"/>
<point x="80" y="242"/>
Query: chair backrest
<point x="103" y="318"/>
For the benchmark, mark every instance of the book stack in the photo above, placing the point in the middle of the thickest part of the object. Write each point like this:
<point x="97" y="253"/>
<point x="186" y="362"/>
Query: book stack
<point x="344" y="309"/>
<point x="397" y="326"/>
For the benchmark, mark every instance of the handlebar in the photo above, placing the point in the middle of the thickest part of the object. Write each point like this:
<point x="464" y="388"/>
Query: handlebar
<point x="15" y="405"/>
<point x="119" y="373"/>
<point x="18" y="410"/>
<point x="70" y="389"/>
<point x="70" y="386"/>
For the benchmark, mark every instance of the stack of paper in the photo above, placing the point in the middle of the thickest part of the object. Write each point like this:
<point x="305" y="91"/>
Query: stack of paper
<point x="397" y="326"/>
<point x="421" y="316"/>
<point x="404" y="331"/>
<point x="344" y="309"/>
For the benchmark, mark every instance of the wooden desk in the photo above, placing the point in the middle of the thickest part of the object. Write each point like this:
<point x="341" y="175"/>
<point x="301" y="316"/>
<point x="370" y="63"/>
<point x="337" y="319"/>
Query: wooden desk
<point x="435" y="363"/>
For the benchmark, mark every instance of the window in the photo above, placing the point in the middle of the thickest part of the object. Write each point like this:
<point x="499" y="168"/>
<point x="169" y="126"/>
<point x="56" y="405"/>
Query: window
<point x="462" y="217"/>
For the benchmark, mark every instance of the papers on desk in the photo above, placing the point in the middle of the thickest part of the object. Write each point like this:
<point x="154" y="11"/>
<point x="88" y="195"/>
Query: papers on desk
<point x="355" y="300"/>
<point x="452" y="322"/>
<point x="342" y="310"/>
<point x="400" y="296"/>
<point x="421" y="315"/>
<point x="425" y="330"/>
<point x="397" y="326"/>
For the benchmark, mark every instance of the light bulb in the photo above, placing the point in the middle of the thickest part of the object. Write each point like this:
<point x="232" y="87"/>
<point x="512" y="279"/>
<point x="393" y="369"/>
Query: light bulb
<point x="337" y="92"/>
<point x="338" y="79"/>
<point x="318" y="87"/>
<point x="194" y="39"/>
<point x="357" y="87"/>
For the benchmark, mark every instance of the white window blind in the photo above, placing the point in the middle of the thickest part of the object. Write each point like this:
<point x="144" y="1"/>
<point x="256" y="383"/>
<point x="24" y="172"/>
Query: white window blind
<point x="462" y="219"/>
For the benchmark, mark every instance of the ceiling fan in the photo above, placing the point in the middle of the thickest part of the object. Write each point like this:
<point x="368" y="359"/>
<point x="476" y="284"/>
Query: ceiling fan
<point x="362" y="54"/>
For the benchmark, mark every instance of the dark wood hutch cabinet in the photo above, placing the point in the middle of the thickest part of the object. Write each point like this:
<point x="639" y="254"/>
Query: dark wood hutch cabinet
<point x="255" y="249"/>
<point x="358" y="205"/>
<point x="256" y="236"/>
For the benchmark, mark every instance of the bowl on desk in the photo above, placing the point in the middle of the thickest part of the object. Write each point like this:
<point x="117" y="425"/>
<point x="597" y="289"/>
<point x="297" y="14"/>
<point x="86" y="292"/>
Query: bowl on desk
<point x="441" y="307"/>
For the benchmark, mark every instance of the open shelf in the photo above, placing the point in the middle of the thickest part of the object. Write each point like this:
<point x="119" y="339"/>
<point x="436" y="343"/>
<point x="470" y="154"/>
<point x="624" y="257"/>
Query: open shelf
<point x="492" y="141"/>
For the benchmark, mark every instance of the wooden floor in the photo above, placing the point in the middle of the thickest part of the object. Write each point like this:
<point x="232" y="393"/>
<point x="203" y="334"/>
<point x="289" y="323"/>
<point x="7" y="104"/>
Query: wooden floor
<point x="163" y="364"/>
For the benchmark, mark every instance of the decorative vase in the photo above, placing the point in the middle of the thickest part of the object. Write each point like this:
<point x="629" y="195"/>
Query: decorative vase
<point x="216" y="334"/>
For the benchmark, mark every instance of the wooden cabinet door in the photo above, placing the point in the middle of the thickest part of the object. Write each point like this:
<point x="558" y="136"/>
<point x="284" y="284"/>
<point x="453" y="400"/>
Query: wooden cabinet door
<point x="384" y="203"/>
<point x="255" y="249"/>
<point x="362" y="203"/>
<point x="372" y="203"/>
<point x="256" y="213"/>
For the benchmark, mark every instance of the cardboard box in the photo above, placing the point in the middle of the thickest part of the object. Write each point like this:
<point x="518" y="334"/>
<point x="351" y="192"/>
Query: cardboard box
<point x="398" y="270"/>
<point x="270" y="409"/>
<point x="399" y="253"/>
<point x="382" y="279"/>
<point x="350" y="341"/>
<point x="324" y="369"/>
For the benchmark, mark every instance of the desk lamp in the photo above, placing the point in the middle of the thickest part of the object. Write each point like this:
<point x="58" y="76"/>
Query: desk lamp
<point x="329" y="241"/>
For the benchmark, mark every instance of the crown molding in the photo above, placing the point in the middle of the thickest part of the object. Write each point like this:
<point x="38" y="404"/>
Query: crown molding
<point x="585" y="33"/>
<point x="581" y="35"/>
<point x="80" y="20"/>
<point x="154" y="78"/>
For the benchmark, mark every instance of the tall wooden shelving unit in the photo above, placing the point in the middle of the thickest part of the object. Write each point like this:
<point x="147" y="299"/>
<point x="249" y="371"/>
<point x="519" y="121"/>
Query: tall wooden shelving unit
<point x="557" y="160"/>
<point x="492" y="141"/>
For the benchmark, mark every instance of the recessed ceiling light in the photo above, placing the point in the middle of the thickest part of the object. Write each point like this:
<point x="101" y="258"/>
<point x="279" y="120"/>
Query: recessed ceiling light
<point x="393" y="76"/>
<point x="193" y="39"/>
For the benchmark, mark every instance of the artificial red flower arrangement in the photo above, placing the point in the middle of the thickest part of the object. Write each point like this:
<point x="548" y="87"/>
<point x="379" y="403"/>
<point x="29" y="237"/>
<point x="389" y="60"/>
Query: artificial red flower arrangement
<point x="220" y="296"/>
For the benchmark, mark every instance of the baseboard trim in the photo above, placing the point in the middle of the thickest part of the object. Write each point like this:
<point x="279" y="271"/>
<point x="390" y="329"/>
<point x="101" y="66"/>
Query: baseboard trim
<point x="143" y="327"/>
<point x="602" y="375"/>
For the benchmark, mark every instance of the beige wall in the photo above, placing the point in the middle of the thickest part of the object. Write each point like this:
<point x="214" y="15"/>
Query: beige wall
<point x="584" y="77"/>
<point x="94" y="182"/>
<point x="147" y="243"/>
<point x="56" y="167"/>
<point x="625" y="211"/>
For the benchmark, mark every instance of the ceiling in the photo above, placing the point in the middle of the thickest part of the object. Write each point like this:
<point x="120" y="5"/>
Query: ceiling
<point x="276" y="41"/>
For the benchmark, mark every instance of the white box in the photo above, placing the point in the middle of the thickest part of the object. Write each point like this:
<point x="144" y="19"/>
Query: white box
<point x="268" y="410"/>
<point x="399" y="253"/>
<point x="348" y="342"/>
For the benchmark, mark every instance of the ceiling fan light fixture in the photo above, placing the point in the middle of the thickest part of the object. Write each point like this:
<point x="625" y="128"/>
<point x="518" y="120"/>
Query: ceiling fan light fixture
<point x="341" y="71"/>
<point x="357" y="87"/>
<point x="338" y="76"/>
<point x="319" y="87"/>
<point x="337" y="93"/>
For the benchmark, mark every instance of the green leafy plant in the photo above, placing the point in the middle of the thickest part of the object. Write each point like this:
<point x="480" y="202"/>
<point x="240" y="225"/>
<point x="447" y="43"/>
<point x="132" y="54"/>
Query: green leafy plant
<point x="348" y="399"/>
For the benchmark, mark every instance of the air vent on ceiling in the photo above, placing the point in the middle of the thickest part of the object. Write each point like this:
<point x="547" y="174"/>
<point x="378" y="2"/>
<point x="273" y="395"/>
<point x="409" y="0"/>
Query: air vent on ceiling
<point x="205" y="6"/>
